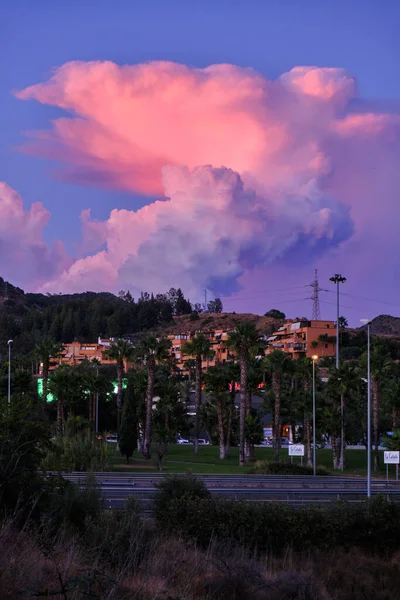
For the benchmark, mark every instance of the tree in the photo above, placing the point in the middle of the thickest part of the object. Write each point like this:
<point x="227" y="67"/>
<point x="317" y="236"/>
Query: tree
<point x="45" y="351"/>
<point x="127" y="438"/>
<point x="215" y="306"/>
<point x="217" y="382"/>
<point x="199" y="348"/>
<point x="170" y="417"/>
<point x="345" y="381"/>
<point x="151" y="352"/>
<point x="303" y="373"/>
<point x="274" y="313"/>
<point x="381" y="367"/>
<point x="120" y="351"/>
<point x="24" y="438"/>
<point x="278" y="364"/>
<point x="391" y="394"/>
<point x="66" y="386"/>
<point x="246" y="342"/>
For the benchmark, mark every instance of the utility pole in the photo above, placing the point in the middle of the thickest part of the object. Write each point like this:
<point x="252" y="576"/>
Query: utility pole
<point x="337" y="279"/>
<point x="205" y="300"/>
<point x="367" y="323"/>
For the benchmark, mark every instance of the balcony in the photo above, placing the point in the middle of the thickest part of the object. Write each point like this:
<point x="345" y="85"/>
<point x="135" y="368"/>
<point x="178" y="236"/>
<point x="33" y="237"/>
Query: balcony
<point x="299" y="346"/>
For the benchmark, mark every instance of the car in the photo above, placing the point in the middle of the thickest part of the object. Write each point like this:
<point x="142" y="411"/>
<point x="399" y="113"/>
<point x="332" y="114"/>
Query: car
<point x="286" y="442"/>
<point x="204" y="442"/>
<point x="182" y="441"/>
<point x="112" y="439"/>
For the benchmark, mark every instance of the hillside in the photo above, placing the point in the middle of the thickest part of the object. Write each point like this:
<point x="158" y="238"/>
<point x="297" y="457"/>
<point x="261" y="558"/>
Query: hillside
<point x="213" y="321"/>
<point x="28" y="318"/>
<point x="385" y="325"/>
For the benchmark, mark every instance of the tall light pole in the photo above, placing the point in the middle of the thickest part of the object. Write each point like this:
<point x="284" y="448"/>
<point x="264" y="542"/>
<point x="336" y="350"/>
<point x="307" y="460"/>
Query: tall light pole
<point x="9" y="371"/>
<point x="314" y="359"/>
<point x="367" y="323"/>
<point x="337" y="279"/>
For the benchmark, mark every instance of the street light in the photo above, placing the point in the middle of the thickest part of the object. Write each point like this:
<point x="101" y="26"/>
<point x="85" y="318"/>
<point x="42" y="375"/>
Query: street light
<point x="367" y="323"/>
<point x="314" y="359"/>
<point x="9" y="371"/>
<point x="337" y="279"/>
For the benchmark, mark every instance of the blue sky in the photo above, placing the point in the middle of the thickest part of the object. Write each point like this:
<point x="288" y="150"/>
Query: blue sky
<point x="271" y="36"/>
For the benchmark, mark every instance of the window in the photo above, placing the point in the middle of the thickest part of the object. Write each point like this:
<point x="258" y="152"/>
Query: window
<point x="328" y="326"/>
<point x="326" y="345"/>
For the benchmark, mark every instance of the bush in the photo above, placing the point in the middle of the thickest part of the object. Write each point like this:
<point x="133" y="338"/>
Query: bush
<point x="79" y="452"/>
<point x="263" y="467"/>
<point x="276" y="526"/>
<point x="194" y="316"/>
<point x="175" y="488"/>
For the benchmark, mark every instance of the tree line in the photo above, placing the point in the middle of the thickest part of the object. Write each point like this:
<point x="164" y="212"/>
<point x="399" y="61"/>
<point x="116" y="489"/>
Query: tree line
<point x="150" y="407"/>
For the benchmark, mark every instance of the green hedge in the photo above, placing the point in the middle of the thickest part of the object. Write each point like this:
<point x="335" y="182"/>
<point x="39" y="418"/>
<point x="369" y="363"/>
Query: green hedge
<point x="263" y="467"/>
<point x="273" y="527"/>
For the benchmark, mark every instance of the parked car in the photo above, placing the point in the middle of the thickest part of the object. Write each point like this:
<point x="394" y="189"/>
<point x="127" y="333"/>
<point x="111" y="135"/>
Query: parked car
<point x="204" y="442"/>
<point x="286" y="442"/>
<point x="182" y="441"/>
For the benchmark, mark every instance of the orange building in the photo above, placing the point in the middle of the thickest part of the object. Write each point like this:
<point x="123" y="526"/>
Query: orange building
<point x="304" y="338"/>
<point x="75" y="352"/>
<point x="217" y="339"/>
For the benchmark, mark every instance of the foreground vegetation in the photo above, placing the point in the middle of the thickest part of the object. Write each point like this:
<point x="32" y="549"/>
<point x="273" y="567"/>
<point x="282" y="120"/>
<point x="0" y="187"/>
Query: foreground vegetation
<point x="199" y="548"/>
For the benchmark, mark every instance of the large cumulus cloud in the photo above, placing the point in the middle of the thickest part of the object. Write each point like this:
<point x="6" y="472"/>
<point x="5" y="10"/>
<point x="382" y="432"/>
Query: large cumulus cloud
<point x="248" y="170"/>
<point x="25" y="258"/>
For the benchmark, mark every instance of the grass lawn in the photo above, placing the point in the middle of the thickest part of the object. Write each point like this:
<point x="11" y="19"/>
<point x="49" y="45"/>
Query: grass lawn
<point x="181" y="459"/>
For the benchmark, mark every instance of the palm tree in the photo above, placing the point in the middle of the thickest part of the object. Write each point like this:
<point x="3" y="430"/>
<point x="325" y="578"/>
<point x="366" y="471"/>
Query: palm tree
<point x="65" y="386"/>
<point x="217" y="382"/>
<point x="246" y="342"/>
<point x="152" y="351"/>
<point x="345" y="381"/>
<point x="381" y="366"/>
<point x="278" y="364"/>
<point x="199" y="348"/>
<point x="45" y="351"/>
<point x="391" y="393"/>
<point x="233" y="370"/>
<point x="303" y="373"/>
<point x="120" y="351"/>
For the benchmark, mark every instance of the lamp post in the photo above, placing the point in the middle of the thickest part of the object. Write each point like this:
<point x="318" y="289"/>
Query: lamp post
<point x="337" y="279"/>
<point x="9" y="371"/>
<point x="314" y="359"/>
<point x="367" y="323"/>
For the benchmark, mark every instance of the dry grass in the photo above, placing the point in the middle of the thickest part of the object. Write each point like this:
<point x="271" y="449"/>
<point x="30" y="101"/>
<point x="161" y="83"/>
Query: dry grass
<point x="32" y="565"/>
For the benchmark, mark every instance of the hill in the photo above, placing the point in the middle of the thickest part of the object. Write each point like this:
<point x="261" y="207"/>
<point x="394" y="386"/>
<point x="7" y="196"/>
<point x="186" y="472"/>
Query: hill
<point x="28" y="318"/>
<point x="385" y="325"/>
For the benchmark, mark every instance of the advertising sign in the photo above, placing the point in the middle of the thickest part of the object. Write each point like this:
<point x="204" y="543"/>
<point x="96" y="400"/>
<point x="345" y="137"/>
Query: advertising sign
<point x="296" y="450"/>
<point x="391" y="457"/>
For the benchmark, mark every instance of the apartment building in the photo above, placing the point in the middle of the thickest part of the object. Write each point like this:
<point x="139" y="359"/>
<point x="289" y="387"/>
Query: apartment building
<point x="218" y="343"/>
<point x="304" y="338"/>
<point x="75" y="352"/>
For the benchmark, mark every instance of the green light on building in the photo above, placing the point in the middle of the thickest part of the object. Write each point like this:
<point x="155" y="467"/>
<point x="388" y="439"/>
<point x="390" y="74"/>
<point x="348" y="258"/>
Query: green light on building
<point x="51" y="398"/>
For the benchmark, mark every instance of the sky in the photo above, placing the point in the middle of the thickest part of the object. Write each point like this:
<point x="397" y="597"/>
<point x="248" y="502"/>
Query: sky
<point x="229" y="146"/>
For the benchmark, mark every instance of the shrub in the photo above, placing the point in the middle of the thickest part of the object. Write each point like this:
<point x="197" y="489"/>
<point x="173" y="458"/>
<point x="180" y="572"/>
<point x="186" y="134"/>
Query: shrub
<point x="79" y="452"/>
<point x="175" y="488"/>
<point x="276" y="526"/>
<point x="194" y="316"/>
<point x="263" y="467"/>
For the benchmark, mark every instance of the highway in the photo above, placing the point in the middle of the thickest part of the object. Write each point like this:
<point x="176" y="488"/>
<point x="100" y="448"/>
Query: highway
<point x="116" y="487"/>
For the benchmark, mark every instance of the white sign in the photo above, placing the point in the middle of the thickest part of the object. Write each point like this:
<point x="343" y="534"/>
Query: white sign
<point x="267" y="432"/>
<point x="296" y="450"/>
<point x="392" y="458"/>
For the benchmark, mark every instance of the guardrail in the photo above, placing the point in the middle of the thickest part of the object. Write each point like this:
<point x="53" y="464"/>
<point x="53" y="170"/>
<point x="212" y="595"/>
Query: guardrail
<point x="115" y="488"/>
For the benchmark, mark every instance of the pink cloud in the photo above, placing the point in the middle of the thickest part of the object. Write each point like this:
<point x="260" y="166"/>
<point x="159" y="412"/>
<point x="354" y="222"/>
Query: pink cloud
<point x="24" y="256"/>
<point x="249" y="171"/>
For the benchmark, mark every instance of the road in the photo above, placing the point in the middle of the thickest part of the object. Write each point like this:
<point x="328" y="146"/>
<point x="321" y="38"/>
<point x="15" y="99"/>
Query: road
<point x="115" y="488"/>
